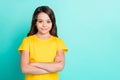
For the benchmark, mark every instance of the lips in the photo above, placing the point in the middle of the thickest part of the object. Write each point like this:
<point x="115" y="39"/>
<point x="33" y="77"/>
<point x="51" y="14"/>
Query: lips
<point x="44" y="28"/>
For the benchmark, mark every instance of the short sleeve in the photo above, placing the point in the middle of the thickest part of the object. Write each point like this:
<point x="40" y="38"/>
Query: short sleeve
<point x="61" y="45"/>
<point x="24" y="45"/>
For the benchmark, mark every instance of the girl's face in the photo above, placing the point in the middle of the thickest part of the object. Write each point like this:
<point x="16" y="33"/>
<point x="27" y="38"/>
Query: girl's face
<point x="43" y="23"/>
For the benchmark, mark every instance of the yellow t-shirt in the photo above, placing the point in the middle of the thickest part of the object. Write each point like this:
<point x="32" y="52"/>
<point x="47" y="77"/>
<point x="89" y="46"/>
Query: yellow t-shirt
<point x="42" y="51"/>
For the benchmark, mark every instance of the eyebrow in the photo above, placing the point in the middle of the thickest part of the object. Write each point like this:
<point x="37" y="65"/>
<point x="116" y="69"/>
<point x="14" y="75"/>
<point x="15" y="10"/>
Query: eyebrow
<point x="42" y="19"/>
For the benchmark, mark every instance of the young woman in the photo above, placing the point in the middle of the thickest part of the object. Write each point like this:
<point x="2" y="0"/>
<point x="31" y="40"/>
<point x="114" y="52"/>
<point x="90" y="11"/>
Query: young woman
<point x="42" y="52"/>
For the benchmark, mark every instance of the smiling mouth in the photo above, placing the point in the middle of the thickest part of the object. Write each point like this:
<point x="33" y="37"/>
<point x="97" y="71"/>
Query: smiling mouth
<point x="44" y="29"/>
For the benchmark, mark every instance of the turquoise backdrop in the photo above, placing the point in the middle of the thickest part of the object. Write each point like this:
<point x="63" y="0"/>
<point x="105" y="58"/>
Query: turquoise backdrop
<point x="90" y="29"/>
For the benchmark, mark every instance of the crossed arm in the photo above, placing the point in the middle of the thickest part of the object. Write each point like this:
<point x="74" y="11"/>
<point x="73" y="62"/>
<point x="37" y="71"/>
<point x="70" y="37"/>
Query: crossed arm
<point x="41" y="67"/>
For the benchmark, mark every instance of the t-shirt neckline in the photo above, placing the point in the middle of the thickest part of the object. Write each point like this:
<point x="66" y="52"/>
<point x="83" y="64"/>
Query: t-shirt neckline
<point x="43" y="39"/>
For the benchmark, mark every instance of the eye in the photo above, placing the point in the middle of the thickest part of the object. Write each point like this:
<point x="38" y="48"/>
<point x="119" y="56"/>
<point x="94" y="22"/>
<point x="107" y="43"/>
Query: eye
<point x="40" y="21"/>
<point x="49" y="21"/>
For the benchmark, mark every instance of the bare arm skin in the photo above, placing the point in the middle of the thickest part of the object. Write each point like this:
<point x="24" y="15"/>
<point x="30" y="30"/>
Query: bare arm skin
<point x="26" y="67"/>
<point x="55" y="66"/>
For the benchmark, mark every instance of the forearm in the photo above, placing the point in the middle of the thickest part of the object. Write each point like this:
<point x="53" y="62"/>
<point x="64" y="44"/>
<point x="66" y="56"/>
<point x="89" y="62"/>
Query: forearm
<point x="29" y="69"/>
<point x="49" y="66"/>
<point x="55" y="66"/>
<point x="26" y="67"/>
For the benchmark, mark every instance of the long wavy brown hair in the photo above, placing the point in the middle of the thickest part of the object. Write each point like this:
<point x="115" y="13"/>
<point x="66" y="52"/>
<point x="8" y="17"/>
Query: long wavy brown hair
<point x="50" y="13"/>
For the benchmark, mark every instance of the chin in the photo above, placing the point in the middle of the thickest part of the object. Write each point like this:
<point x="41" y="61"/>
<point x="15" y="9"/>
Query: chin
<point x="44" y="32"/>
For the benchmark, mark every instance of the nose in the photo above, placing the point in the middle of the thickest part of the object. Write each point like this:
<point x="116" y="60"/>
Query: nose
<point x="44" y="24"/>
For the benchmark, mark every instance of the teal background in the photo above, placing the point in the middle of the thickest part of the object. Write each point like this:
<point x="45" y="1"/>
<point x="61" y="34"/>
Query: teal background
<point x="90" y="29"/>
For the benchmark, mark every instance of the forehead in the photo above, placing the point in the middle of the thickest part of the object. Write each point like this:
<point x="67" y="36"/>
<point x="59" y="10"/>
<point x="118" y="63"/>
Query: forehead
<point x="43" y="16"/>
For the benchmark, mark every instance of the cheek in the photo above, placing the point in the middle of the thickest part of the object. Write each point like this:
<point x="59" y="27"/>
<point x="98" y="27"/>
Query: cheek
<point x="38" y="25"/>
<point x="50" y="27"/>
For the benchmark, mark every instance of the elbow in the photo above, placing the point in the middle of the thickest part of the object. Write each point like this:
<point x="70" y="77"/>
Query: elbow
<point x="23" y="69"/>
<point x="61" y="67"/>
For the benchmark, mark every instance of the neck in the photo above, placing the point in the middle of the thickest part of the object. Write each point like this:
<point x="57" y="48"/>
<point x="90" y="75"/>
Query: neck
<point x="43" y="36"/>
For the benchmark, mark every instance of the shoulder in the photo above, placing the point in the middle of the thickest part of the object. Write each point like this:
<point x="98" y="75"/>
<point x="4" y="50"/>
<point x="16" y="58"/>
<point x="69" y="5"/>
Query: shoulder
<point x="57" y="38"/>
<point x="28" y="38"/>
